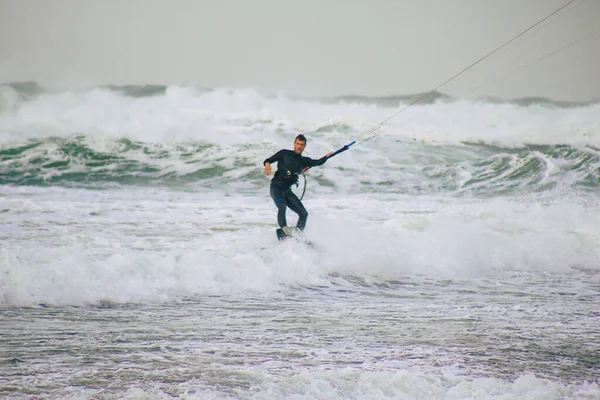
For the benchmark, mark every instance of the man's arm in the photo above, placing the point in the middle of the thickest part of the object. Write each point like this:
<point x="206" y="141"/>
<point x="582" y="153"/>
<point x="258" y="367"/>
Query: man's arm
<point x="274" y="158"/>
<point x="315" y="163"/>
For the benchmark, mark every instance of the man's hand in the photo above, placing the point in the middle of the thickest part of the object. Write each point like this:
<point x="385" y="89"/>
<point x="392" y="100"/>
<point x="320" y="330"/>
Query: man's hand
<point x="329" y="154"/>
<point x="267" y="169"/>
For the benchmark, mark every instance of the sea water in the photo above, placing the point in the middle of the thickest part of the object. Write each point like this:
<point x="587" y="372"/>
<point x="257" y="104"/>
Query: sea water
<point x="456" y="255"/>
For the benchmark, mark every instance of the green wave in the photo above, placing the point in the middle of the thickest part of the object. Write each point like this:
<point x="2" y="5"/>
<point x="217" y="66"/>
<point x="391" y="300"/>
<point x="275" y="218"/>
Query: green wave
<point x="139" y="90"/>
<point x="79" y="161"/>
<point x="529" y="169"/>
<point x="73" y="162"/>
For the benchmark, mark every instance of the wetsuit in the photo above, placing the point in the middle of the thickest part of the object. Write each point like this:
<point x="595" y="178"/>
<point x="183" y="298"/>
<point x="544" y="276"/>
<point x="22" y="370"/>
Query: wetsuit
<point x="289" y="166"/>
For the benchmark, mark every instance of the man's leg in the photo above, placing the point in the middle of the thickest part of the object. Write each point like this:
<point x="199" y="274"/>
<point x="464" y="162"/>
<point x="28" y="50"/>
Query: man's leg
<point x="296" y="206"/>
<point x="278" y="197"/>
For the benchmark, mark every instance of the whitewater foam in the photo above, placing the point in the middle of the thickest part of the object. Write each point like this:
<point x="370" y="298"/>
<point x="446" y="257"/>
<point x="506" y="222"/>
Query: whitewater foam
<point x="233" y="117"/>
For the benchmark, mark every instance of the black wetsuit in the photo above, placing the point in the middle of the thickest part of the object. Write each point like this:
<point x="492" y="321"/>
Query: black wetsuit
<point x="289" y="166"/>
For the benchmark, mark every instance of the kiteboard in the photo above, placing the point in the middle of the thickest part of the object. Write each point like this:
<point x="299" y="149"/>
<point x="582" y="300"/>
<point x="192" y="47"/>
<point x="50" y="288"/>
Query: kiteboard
<point x="293" y="233"/>
<point x="281" y="234"/>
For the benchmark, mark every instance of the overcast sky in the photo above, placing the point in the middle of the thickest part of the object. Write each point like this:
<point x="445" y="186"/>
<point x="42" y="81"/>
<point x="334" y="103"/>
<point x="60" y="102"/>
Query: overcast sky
<point x="307" y="47"/>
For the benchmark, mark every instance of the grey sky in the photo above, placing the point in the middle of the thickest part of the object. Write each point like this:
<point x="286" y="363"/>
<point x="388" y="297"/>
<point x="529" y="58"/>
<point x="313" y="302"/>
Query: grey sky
<point x="309" y="47"/>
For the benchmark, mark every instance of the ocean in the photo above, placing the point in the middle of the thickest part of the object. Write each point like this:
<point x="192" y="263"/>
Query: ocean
<point x="456" y="254"/>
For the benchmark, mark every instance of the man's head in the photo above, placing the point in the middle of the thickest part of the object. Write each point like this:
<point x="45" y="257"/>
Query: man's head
<point x="299" y="144"/>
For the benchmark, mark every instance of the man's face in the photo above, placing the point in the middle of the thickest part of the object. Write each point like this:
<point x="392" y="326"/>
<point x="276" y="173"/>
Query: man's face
<point x="299" y="146"/>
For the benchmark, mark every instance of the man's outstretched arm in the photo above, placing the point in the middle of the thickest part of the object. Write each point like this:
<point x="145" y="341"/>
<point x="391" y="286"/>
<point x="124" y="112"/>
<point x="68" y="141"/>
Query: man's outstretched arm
<point x="315" y="163"/>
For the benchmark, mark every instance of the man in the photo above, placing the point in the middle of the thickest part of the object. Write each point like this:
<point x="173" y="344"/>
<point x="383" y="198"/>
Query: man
<point x="290" y="165"/>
